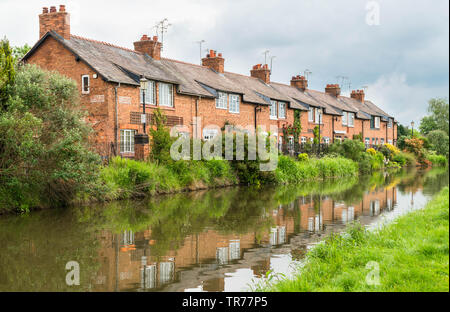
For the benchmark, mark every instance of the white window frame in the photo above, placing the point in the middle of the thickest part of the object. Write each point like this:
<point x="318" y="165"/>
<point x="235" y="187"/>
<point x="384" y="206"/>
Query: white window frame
<point x="303" y="139"/>
<point x="222" y="100"/>
<point x="390" y="123"/>
<point x="150" y="94"/>
<point x="351" y="120"/>
<point x="273" y="109"/>
<point x="311" y="114"/>
<point x="377" y="123"/>
<point x="127" y="140"/>
<point x="382" y="141"/>
<point x="165" y="94"/>
<point x="344" y="119"/>
<point x="234" y="103"/>
<point x="326" y="140"/>
<point x="282" y="110"/>
<point x="317" y="115"/>
<point x="83" y="85"/>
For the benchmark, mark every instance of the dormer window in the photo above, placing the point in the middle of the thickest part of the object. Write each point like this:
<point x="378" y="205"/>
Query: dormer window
<point x="85" y="84"/>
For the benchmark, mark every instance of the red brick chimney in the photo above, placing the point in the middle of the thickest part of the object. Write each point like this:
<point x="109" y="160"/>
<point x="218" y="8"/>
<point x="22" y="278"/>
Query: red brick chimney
<point x="333" y="89"/>
<point x="213" y="61"/>
<point x="299" y="82"/>
<point x="262" y="72"/>
<point x="358" y="95"/>
<point x="54" y="20"/>
<point x="150" y="46"/>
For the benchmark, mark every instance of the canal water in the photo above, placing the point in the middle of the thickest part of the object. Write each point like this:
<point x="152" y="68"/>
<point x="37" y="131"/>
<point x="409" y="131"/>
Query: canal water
<point x="218" y="240"/>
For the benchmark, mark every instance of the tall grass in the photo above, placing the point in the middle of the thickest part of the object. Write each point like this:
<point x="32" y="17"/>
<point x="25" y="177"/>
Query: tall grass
<point x="291" y="171"/>
<point x="130" y="178"/>
<point x="412" y="254"/>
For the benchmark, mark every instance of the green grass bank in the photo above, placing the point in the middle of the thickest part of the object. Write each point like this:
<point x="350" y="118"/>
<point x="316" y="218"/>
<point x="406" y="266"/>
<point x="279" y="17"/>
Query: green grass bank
<point x="412" y="254"/>
<point x="126" y="178"/>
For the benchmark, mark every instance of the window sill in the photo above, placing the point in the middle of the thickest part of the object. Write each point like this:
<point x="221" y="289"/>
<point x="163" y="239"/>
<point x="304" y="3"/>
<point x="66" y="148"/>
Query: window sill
<point x="273" y="118"/>
<point x="159" y="106"/>
<point x="234" y="112"/>
<point x="222" y="108"/>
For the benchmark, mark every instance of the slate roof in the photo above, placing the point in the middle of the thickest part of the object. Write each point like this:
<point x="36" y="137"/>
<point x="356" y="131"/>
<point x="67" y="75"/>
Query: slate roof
<point x="122" y="65"/>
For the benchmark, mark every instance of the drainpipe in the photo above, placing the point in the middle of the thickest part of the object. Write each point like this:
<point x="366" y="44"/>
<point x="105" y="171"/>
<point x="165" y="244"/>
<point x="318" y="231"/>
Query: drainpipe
<point x="362" y="131"/>
<point x="196" y="116"/>
<point x="386" y="140"/>
<point x="332" y="125"/>
<point x="257" y="109"/>
<point x="116" y="119"/>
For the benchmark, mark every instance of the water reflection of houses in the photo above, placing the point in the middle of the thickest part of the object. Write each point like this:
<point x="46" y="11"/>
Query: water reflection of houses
<point x="129" y="260"/>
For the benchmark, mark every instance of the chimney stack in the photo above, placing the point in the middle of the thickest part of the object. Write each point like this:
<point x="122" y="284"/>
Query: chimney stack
<point x="262" y="72"/>
<point x="299" y="82"/>
<point x="150" y="46"/>
<point x="54" y="20"/>
<point x="333" y="89"/>
<point x="214" y="61"/>
<point x="358" y="95"/>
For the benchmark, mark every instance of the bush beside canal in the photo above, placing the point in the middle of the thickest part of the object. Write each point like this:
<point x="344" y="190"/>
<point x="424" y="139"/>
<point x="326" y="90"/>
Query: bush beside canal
<point x="412" y="254"/>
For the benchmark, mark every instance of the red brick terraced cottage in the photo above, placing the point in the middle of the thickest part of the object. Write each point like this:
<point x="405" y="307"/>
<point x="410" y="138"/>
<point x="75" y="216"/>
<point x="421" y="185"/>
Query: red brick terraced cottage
<point x="198" y="99"/>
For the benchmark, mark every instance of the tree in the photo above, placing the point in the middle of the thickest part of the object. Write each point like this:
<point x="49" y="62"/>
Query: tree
<point x="7" y="71"/>
<point x="45" y="158"/>
<point x="427" y="124"/>
<point x="19" y="52"/>
<point x="439" y="142"/>
<point x="439" y="118"/>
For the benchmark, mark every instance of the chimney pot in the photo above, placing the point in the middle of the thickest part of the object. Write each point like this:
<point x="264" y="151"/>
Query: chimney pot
<point x="155" y="38"/>
<point x="150" y="47"/>
<point x="261" y="72"/>
<point x="215" y="62"/>
<point x="333" y="89"/>
<point x="59" y="23"/>
<point x="299" y="82"/>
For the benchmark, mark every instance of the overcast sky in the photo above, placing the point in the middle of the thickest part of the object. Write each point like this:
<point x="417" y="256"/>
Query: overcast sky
<point x="400" y="54"/>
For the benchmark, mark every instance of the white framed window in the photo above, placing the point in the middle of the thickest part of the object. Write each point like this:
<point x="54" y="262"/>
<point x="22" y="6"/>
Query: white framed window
<point x="303" y="140"/>
<point x="390" y="142"/>
<point x="273" y="109"/>
<point x="367" y="141"/>
<point x="209" y="134"/>
<point x="166" y="270"/>
<point x="390" y="123"/>
<point x="377" y="122"/>
<point x="85" y="84"/>
<point x="351" y="119"/>
<point x="281" y="110"/>
<point x="222" y="100"/>
<point x="165" y="94"/>
<point x="326" y="140"/>
<point x="311" y="140"/>
<point x="127" y="141"/>
<point x="317" y="115"/>
<point x="150" y="94"/>
<point x="311" y="114"/>
<point x="382" y="141"/>
<point x="234" y="103"/>
<point x="344" y="119"/>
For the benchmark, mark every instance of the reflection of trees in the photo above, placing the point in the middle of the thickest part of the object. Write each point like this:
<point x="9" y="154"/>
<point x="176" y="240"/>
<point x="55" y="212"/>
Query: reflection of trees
<point x="36" y="248"/>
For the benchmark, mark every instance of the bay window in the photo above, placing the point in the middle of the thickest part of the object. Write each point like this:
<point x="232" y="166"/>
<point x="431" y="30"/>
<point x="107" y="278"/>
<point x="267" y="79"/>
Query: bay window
<point x="165" y="94"/>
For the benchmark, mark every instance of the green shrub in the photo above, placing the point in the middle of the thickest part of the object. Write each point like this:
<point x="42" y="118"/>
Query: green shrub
<point x="437" y="160"/>
<point x="303" y="157"/>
